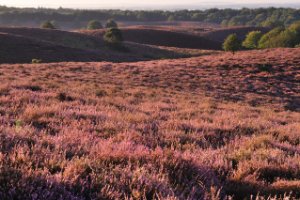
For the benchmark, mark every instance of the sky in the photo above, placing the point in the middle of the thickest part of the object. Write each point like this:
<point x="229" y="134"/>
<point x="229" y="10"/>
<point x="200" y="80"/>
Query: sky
<point x="151" y="4"/>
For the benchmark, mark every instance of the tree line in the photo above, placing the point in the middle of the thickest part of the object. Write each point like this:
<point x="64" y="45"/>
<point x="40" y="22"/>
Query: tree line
<point x="271" y="17"/>
<point x="277" y="37"/>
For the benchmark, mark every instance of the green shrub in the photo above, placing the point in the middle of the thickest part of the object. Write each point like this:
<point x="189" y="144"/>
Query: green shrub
<point x="36" y="61"/>
<point x="94" y="24"/>
<point x="232" y="43"/>
<point x="48" y="25"/>
<point x="279" y="37"/>
<point x="266" y="40"/>
<point x="252" y="39"/>
<point x="286" y="38"/>
<point x="295" y="27"/>
<point x="272" y="23"/>
<point x="113" y="37"/>
<point x="111" y="24"/>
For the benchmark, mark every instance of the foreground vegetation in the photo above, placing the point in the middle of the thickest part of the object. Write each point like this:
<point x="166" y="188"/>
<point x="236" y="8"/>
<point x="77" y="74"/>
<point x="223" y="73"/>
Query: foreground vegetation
<point x="199" y="128"/>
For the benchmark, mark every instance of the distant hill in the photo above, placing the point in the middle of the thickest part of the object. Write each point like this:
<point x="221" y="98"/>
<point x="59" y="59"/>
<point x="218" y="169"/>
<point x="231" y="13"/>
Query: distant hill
<point x="163" y="38"/>
<point x="19" y="49"/>
<point x="21" y="45"/>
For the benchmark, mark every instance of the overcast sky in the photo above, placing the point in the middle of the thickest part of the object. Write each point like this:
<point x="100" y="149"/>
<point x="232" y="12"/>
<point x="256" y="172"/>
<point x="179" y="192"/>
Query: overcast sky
<point x="141" y="3"/>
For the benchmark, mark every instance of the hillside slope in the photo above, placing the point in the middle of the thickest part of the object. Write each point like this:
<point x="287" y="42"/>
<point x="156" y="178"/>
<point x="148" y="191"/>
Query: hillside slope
<point x="199" y="128"/>
<point x="24" y="44"/>
<point x="162" y="37"/>
<point x="18" y="49"/>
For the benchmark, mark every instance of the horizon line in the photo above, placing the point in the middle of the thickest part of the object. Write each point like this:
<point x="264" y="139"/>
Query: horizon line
<point x="167" y="6"/>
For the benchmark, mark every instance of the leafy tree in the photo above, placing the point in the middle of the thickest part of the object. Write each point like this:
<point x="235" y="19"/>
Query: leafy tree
<point x="295" y="27"/>
<point x="232" y="43"/>
<point x="272" y="23"/>
<point x="111" y="24"/>
<point x="271" y="17"/>
<point x="280" y="37"/>
<point x="48" y="25"/>
<point x="113" y="36"/>
<point x="286" y="38"/>
<point x="266" y="41"/>
<point x="94" y="24"/>
<point x="171" y="18"/>
<point x="252" y="39"/>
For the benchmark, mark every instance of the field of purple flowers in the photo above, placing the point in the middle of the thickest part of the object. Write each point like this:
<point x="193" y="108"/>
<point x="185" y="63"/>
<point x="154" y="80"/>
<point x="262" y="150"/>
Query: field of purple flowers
<point x="212" y="127"/>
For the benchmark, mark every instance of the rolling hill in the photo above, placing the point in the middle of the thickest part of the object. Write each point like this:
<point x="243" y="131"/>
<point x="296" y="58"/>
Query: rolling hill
<point x="21" y="45"/>
<point x="19" y="49"/>
<point x="162" y="37"/>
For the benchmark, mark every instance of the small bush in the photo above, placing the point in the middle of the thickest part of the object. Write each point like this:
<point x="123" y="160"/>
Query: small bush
<point x="101" y="93"/>
<point x="94" y="24"/>
<point x="113" y="38"/>
<point x="48" y="25"/>
<point x="111" y="24"/>
<point x="36" y="61"/>
<point x="64" y="97"/>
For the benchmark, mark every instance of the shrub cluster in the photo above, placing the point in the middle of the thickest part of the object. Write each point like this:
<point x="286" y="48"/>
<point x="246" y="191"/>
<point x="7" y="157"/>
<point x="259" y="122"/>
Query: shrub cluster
<point x="48" y="25"/>
<point x="277" y="37"/>
<point x="94" y="24"/>
<point x="113" y="38"/>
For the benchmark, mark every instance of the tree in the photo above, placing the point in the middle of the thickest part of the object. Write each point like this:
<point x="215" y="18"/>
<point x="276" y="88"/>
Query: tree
<point x="113" y="37"/>
<point x="266" y="41"/>
<point x="48" y="25"/>
<point x="272" y="23"/>
<point x="232" y="43"/>
<point x="295" y="27"/>
<point x="94" y="24"/>
<point x="286" y="38"/>
<point x="279" y="37"/>
<point x="111" y="24"/>
<point x="252" y="39"/>
<point x="171" y="18"/>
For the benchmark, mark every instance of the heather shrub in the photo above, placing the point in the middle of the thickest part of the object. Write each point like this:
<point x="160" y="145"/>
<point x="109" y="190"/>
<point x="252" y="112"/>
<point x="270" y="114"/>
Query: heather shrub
<point x="61" y="96"/>
<point x="157" y="175"/>
<point x="198" y="128"/>
<point x="101" y="93"/>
